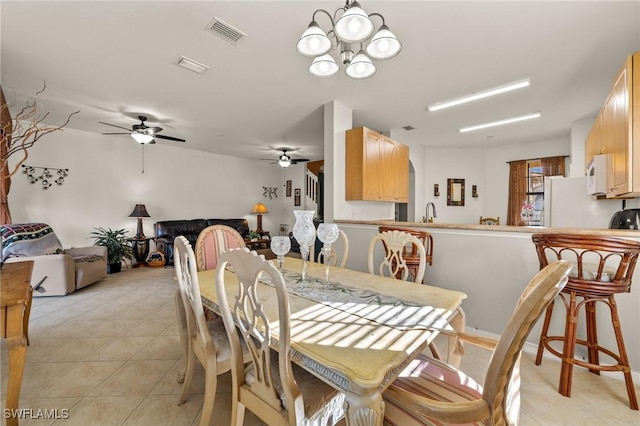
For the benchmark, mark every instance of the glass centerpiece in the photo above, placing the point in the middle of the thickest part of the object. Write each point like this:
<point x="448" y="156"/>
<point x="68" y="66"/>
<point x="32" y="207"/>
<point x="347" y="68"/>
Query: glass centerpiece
<point x="305" y="234"/>
<point x="327" y="233"/>
<point x="280" y="246"/>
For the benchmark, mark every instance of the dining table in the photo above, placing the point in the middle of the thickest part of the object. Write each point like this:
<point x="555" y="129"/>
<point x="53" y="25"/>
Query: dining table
<point x="355" y="331"/>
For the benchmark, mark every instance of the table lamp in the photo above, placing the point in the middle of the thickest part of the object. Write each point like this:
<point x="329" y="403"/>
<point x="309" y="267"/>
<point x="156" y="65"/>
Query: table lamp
<point x="139" y="211"/>
<point x="259" y="209"/>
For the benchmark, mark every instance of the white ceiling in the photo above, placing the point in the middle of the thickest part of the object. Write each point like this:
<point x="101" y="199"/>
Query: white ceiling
<point x="115" y="60"/>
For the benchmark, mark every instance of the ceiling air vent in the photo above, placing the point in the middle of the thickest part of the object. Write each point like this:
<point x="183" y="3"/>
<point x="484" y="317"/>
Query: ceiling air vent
<point x="225" y="31"/>
<point x="408" y="128"/>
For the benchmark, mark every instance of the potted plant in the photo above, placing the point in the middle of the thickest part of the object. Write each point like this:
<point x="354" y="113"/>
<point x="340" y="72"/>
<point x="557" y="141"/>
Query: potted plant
<point x="253" y="236"/>
<point x="118" y="248"/>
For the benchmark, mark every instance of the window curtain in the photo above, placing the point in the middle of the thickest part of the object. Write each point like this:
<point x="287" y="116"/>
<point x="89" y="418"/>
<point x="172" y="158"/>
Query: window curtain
<point x="552" y="166"/>
<point x="517" y="191"/>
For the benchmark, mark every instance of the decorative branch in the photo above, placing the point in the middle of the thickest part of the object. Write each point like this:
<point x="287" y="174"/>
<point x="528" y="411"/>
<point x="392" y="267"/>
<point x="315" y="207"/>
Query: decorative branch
<point x="26" y="128"/>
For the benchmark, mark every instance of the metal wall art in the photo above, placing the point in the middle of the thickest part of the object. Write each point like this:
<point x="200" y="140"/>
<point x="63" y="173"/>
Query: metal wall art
<point x="270" y="192"/>
<point x="45" y="176"/>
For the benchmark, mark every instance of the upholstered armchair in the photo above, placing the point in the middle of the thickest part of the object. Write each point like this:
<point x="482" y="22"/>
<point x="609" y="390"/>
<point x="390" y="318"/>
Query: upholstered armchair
<point x="56" y="271"/>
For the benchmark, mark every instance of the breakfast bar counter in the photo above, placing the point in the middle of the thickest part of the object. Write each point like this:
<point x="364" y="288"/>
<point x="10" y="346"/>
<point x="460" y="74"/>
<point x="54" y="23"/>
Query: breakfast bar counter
<point x="492" y="264"/>
<point x="497" y="228"/>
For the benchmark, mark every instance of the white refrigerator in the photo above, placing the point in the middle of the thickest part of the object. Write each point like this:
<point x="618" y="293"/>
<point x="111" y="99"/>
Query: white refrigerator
<point x="567" y="205"/>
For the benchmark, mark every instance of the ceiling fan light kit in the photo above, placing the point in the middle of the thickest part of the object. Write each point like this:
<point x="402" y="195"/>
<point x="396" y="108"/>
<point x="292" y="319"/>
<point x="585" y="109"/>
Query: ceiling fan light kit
<point x="142" y="133"/>
<point x="142" y="138"/>
<point x="354" y="27"/>
<point x="284" y="161"/>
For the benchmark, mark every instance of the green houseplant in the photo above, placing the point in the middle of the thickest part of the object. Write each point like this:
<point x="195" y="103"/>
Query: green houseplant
<point x="118" y="248"/>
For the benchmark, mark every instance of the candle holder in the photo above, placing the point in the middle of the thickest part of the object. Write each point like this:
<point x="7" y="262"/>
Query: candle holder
<point x="280" y="246"/>
<point x="327" y="233"/>
<point x="305" y="234"/>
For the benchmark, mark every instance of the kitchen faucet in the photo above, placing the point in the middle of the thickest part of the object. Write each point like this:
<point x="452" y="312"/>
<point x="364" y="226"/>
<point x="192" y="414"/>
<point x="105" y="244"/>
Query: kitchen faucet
<point x="433" y="206"/>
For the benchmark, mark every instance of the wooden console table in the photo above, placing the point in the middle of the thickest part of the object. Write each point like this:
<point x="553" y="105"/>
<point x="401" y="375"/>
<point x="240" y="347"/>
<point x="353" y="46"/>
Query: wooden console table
<point x="15" y="301"/>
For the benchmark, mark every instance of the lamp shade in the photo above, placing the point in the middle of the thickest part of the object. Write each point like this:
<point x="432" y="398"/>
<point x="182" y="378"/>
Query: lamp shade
<point x="384" y="45"/>
<point x="142" y="137"/>
<point x="259" y="208"/>
<point x="354" y="25"/>
<point x="323" y="66"/>
<point x="314" y="41"/>
<point x="360" y="67"/>
<point x="139" y="211"/>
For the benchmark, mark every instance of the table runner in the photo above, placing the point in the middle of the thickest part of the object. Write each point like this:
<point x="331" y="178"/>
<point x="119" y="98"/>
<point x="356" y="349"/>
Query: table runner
<point x="383" y="309"/>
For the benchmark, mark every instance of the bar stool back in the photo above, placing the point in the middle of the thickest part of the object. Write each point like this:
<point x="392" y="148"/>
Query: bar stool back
<point x="603" y="267"/>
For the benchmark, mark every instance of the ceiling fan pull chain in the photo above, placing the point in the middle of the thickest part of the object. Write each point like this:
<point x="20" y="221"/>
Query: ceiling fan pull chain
<point x="142" y="145"/>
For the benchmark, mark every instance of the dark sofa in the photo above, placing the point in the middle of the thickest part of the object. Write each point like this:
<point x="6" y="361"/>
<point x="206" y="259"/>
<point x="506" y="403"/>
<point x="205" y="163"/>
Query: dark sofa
<point x="167" y="230"/>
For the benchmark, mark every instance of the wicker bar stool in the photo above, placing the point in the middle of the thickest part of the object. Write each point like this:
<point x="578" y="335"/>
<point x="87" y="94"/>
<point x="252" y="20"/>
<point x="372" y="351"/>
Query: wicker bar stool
<point x="603" y="267"/>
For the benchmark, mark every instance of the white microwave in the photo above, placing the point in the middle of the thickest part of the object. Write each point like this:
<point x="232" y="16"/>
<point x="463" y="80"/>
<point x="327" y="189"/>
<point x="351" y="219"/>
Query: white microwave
<point x="597" y="171"/>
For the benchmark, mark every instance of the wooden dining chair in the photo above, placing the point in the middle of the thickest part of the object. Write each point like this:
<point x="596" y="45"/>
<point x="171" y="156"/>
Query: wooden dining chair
<point x="333" y="257"/>
<point x="603" y="267"/>
<point x="489" y="220"/>
<point x="411" y="255"/>
<point x="206" y="340"/>
<point x="394" y="264"/>
<point x="429" y="391"/>
<point x="214" y="240"/>
<point x="272" y="387"/>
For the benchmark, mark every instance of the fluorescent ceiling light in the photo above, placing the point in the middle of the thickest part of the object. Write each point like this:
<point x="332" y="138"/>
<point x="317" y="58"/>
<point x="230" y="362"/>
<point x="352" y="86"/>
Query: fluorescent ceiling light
<point x="480" y="95"/>
<point x="500" y="122"/>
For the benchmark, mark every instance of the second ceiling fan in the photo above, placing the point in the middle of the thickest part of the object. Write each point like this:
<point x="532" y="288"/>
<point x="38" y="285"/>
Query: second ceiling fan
<point x="142" y="133"/>
<point x="285" y="159"/>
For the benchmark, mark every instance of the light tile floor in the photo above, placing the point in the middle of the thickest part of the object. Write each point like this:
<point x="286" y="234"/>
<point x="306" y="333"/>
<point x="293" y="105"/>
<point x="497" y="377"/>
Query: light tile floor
<point x="110" y="355"/>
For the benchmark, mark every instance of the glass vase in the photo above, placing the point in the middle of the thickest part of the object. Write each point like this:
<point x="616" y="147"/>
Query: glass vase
<point x="305" y="234"/>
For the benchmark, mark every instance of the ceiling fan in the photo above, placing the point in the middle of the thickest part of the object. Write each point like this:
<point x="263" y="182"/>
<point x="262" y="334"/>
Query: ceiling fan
<point x="285" y="159"/>
<point x="142" y="133"/>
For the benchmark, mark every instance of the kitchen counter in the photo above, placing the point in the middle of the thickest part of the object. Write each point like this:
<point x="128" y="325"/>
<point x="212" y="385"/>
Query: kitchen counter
<point x="497" y="228"/>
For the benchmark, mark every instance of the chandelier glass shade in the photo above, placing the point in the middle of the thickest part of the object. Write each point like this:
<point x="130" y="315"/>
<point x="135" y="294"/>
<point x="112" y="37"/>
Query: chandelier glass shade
<point x="350" y="33"/>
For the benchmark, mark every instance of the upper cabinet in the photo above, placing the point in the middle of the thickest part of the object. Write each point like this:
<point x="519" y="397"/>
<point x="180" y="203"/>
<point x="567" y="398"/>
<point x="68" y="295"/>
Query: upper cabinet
<point x="377" y="167"/>
<point x="616" y="132"/>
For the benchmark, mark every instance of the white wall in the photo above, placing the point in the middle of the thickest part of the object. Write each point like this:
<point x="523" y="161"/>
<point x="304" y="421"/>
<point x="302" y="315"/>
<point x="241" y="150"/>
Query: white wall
<point x="105" y="182"/>
<point x="579" y="131"/>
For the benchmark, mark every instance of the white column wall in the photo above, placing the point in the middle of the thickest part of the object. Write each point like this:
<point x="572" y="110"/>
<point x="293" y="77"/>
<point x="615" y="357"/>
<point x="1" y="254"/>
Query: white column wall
<point x="338" y="119"/>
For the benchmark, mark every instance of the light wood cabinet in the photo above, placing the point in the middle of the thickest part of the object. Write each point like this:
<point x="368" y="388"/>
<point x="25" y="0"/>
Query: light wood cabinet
<point x="376" y="167"/>
<point x="616" y="132"/>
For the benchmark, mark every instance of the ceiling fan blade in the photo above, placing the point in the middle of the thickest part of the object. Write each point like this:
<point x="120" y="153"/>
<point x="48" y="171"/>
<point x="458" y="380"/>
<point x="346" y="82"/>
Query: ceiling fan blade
<point x="113" y="125"/>
<point x="170" y="138"/>
<point x="299" y="160"/>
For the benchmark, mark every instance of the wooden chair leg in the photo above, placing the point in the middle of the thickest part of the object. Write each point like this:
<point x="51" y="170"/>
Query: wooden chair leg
<point x="592" y="336"/>
<point x="624" y="359"/>
<point x="543" y="333"/>
<point x="569" y="348"/>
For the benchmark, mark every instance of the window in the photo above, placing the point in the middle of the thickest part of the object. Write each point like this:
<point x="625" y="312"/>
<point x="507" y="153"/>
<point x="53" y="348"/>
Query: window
<point x="526" y="189"/>
<point x="533" y="204"/>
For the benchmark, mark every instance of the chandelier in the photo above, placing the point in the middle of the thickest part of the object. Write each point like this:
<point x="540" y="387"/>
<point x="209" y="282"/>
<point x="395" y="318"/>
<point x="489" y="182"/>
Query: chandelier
<point x="351" y="34"/>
